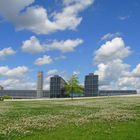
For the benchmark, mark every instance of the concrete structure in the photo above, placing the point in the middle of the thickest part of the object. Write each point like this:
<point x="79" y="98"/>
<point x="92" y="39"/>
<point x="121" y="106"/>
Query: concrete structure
<point x="23" y="94"/>
<point x="40" y="85"/>
<point x="1" y="88"/>
<point x="57" y="87"/>
<point x="116" y="92"/>
<point x="91" y="85"/>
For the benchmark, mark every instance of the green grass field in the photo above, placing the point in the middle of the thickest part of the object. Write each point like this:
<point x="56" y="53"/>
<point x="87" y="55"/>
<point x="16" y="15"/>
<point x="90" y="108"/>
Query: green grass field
<point x="106" y="118"/>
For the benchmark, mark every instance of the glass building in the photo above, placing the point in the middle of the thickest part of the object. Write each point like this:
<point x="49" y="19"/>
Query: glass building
<point x="91" y="85"/>
<point x="23" y="94"/>
<point x="116" y="92"/>
<point x="57" y="87"/>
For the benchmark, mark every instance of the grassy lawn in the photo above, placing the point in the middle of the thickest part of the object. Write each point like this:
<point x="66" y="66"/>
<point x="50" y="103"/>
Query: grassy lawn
<point x="106" y="118"/>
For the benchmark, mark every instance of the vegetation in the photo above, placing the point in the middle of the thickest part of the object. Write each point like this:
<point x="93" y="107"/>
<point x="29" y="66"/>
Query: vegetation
<point x="104" y="118"/>
<point x="2" y="98"/>
<point x="73" y="86"/>
<point x="7" y="97"/>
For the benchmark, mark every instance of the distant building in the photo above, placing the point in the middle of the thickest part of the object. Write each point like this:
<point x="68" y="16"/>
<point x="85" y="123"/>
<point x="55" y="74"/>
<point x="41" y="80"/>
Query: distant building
<point x="116" y="92"/>
<point x="40" y="85"/>
<point x="23" y="94"/>
<point x="57" y="87"/>
<point x="91" y="85"/>
<point x="1" y="88"/>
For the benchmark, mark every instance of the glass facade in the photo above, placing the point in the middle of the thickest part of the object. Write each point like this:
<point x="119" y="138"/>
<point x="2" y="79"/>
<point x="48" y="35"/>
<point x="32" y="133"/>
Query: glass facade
<point x="57" y="85"/>
<point x="91" y="85"/>
<point x="116" y="92"/>
<point x="23" y="93"/>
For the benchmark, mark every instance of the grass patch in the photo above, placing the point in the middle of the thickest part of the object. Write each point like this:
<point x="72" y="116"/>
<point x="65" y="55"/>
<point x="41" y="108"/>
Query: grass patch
<point x="116" y="118"/>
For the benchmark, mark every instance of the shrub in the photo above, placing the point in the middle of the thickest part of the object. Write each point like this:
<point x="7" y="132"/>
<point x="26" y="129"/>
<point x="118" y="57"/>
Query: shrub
<point x="1" y="99"/>
<point x="7" y="97"/>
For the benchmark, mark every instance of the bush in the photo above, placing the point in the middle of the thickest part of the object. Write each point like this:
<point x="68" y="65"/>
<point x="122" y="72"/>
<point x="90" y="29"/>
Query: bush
<point x="1" y="99"/>
<point x="7" y="97"/>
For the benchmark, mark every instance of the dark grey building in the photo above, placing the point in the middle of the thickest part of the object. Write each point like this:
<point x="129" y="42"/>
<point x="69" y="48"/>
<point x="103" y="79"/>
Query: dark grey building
<point x="57" y="87"/>
<point x="91" y="85"/>
<point x="116" y="92"/>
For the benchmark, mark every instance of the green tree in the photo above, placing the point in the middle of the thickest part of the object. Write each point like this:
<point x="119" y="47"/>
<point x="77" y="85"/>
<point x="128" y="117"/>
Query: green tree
<point x="73" y="86"/>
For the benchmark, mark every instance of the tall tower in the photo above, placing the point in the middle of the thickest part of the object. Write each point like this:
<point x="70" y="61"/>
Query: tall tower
<point x="91" y="85"/>
<point x="40" y="84"/>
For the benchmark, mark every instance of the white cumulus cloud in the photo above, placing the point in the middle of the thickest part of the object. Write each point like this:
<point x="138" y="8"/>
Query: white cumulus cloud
<point x="113" y="72"/>
<point x="18" y="83"/>
<point x="109" y="72"/>
<point x="15" y="72"/>
<point x="52" y="72"/>
<point x="33" y="45"/>
<point x="136" y="71"/>
<point x="109" y="36"/>
<point x="6" y="52"/>
<point x="114" y="49"/>
<point x="16" y="78"/>
<point x="43" y="60"/>
<point x="65" y="46"/>
<point x="26" y="15"/>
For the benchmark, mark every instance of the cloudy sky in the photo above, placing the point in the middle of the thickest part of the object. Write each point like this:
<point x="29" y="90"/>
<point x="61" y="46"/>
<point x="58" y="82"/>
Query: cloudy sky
<point x="70" y="37"/>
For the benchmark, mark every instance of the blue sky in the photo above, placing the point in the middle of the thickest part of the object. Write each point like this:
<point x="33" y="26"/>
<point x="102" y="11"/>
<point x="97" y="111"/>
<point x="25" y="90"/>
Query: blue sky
<point x="70" y="36"/>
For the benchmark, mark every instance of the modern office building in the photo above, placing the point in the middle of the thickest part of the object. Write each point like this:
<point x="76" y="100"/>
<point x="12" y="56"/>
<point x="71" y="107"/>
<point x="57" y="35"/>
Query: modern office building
<point x="116" y="92"/>
<point x="40" y="84"/>
<point x="91" y="85"/>
<point x="23" y="94"/>
<point x="57" y="87"/>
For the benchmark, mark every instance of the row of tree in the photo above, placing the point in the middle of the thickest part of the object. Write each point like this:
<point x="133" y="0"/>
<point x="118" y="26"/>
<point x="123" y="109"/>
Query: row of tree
<point x="73" y="86"/>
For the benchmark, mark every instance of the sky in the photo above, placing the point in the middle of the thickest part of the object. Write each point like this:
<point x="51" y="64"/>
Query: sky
<point x="68" y="37"/>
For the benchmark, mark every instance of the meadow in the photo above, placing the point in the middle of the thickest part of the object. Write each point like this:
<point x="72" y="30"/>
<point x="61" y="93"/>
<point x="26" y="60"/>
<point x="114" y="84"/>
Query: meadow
<point x="105" y="118"/>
